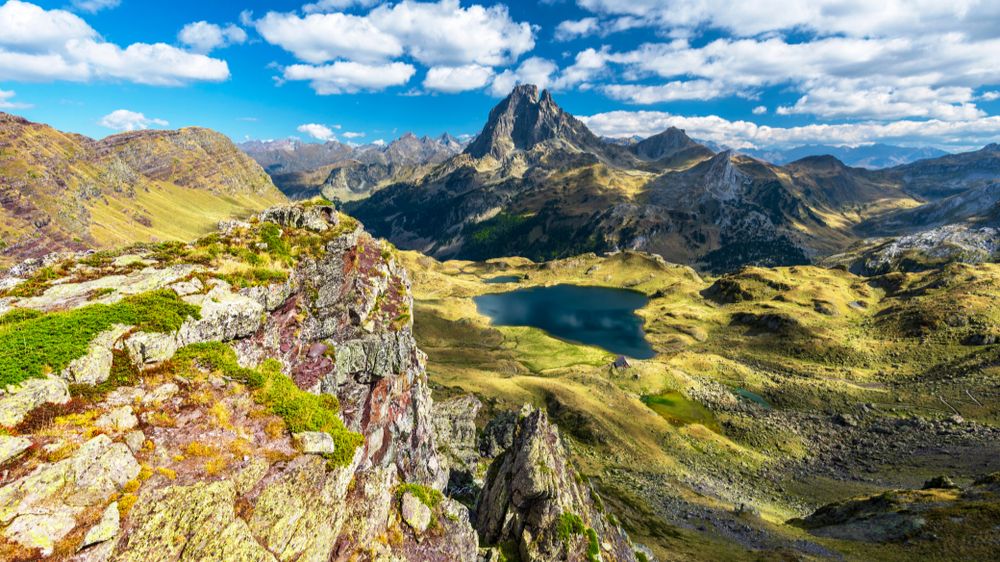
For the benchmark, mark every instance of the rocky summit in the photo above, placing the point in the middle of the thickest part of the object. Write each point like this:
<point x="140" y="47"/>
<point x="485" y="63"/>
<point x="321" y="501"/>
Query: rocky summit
<point x="254" y="395"/>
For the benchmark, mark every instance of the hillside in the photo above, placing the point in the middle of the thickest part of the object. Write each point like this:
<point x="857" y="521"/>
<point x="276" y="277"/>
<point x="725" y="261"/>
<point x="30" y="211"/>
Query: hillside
<point x="537" y="183"/>
<point x="62" y="191"/>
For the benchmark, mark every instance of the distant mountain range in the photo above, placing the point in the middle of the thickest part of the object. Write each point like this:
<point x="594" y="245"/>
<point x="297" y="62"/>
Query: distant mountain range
<point x="63" y="191"/>
<point x="345" y="172"/>
<point x="538" y="183"/>
<point x="872" y="156"/>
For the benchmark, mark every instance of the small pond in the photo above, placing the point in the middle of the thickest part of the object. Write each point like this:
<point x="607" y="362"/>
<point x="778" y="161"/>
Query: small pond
<point x="679" y="410"/>
<point x="502" y="279"/>
<point x="597" y="316"/>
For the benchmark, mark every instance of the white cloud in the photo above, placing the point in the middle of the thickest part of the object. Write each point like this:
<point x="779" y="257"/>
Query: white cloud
<point x="7" y="103"/>
<point x="94" y="6"/>
<point x="746" y="134"/>
<point x="990" y="96"/>
<point x="535" y="70"/>
<point x="437" y="34"/>
<point x="320" y="38"/>
<point x="336" y="5"/>
<point x="205" y="37"/>
<point x="457" y="78"/>
<point x="352" y="134"/>
<point x="47" y="45"/>
<point x="378" y="142"/>
<point x="349" y="77"/>
<point x="760" y="110"/>
<point x="571" y="29"/>
<point x="125" y="120"/>
<point x="671" y="91"/>
<point x="317" y="131"/>
<point x="855" y="18"/>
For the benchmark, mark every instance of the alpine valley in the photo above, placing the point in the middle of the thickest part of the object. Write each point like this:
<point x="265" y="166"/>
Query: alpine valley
<point x="280" y="351"/>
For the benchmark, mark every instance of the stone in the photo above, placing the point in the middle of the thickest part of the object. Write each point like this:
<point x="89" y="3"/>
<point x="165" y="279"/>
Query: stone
<point x="317" y="218"/>
<point x="940" y="482"/>
<point x="161" y="394"/>
<point x="105" y="529"/>
<point x="196" y="522"/>
<point x="846" y="420"/>
<point x="39" y="508"/>
<point x="415" y="513"/>
<point x="119" y="419"/>
<point x="225" y="315"/>
<point x="148" y="348"/>
<point x="135" y="440"/>
<point x="30" y="394"/>
<point x="315" y="442"/>
<point x="94" y="367"/>
<point x="11" y="447"/>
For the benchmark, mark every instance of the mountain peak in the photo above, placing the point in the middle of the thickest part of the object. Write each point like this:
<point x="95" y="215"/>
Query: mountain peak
<point x="526" y="118"/>
<point x="669" y="142"/>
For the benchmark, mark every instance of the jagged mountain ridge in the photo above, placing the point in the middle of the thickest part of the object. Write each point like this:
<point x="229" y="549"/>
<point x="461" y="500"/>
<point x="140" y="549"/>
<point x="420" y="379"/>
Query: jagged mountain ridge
<point x="537" y="183"/>
<point x="874" y="156"/>
<point x="342" y="171"/>
<point x="65" y="191"/>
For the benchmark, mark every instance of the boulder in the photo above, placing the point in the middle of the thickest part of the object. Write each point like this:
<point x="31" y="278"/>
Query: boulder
<point x="415" y="513"/>
<point x="105" y="529"/>
<point x="315" y="442"/>
<point x="11" y="447"/>
<point x="119" y="419"/>
<point x="30" y="394"/>
<point x="95" y="366"/>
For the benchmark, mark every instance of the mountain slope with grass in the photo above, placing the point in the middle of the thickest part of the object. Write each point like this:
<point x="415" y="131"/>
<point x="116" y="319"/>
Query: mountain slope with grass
<point x="61" y="191"/>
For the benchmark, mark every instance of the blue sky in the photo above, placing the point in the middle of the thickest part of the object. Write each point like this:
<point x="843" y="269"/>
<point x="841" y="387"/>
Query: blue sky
<point x="759" y="73"/>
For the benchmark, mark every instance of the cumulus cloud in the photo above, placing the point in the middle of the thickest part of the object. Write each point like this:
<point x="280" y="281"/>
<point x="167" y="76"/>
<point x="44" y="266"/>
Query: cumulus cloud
<point x="94" y="6"/>
<point x="125" y="120"/>
<point x="437" y="34"/>
<point x="7" y="103"/>
<point x="671" y="91"/>
<point x="535" y="70"/>
<point x="760" y="110"/>
<point x="453" y="79"/>
<point x="349" y="77"/>
<point x="745" y="134"/>
<point x="205" y="37"/>
<point x="47" y="45"/>
<point x="571" y="29"/>
<point x="317" y="131"/>
<point x="352" y="134"/>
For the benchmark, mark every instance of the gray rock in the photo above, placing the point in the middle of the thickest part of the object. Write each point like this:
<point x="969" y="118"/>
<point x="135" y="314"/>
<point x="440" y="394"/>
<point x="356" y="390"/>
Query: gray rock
<point x="317" y="218"/>
<point x="11" y="447"/>
<point x="30" y="394"/>
<point x="135" y="440"/>
<point x="119" y="419"/>
<point x="415" y="513"/>
<point x="160" y="394"/>
<point x="95" y="366"/>
<point x="105" y="529"/>
<point x="315" y="442"/>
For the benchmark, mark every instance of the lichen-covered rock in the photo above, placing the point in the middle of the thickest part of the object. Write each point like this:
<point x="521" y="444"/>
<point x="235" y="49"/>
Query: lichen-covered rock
<point x="30" y="394"/>
<point x="315" y="442"/>
<point x="119" y="419"/>
<point x="40" y="508"/>
<point x="415" y="513"/>
<point x="317" y="218"/>
<point x="95" y="366"/>
<point x="105" y="529"/>
<point x="532" y="498"/>
<point x="11" y="447"/>
<point x="455" y="432"/>
<point x="196" y="522"/>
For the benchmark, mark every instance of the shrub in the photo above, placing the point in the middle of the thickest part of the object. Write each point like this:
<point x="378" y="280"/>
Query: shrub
<point x="30" y="344"/>
<point x="569" y="525"/>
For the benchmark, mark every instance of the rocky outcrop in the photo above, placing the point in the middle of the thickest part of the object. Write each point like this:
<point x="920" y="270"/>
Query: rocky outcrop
<point x="533" y="500"/>
<point x="161" y="456"/>
<point x="455" y="431"/>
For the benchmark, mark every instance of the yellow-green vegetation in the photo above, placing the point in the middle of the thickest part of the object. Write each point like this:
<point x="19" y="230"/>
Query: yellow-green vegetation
<point x="300" y="410"/>
<point x="569" y="525"/>
<point x="771" y="340"/>
<point x="31" y="345"/>
<point x="427" y="495"/>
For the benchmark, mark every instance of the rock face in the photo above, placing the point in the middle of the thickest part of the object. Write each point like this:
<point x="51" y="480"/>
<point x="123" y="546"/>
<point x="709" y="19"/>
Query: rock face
<point x="187" y="463"/>
<point x="455" y="431"/>
<point x="533" y="499"/>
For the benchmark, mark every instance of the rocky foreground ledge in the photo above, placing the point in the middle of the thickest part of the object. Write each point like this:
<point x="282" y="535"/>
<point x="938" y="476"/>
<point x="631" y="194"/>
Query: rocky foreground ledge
<point x="255" y="395"/>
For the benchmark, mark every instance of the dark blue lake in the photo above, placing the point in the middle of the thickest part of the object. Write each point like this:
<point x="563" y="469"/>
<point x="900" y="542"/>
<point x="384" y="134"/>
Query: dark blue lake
<point x="590" y="315"/>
